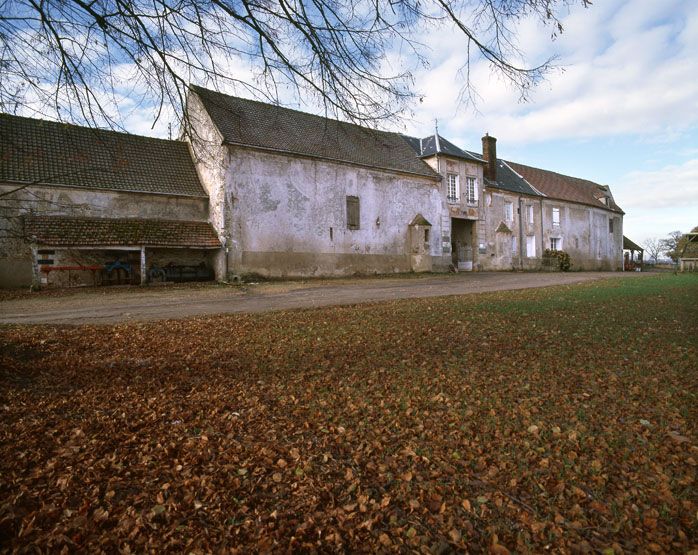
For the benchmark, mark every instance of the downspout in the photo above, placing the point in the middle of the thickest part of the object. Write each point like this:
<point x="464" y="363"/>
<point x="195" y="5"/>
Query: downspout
<point x="36" y="274"/>
<point x="542" y="231"/>
<point x="520" y="233"/>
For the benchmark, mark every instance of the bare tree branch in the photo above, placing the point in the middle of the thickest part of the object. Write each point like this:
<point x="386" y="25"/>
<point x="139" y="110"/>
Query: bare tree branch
<point x="82" y="61"/>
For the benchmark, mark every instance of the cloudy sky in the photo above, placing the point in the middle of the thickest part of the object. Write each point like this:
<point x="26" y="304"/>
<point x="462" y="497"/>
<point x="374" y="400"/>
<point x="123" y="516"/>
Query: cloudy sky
<point x="622" y="112"/>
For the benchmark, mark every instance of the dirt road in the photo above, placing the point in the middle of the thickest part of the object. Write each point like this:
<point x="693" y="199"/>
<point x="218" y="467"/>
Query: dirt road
<point x="108" y="306"/>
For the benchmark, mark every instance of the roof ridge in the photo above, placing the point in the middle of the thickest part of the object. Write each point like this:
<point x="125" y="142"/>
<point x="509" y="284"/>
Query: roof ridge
<point x="74" y="217"/>
<point x="87" y="128"/>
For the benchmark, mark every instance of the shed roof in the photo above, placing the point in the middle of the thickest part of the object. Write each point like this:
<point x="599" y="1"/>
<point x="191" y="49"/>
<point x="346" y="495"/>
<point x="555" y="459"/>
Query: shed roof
<point x="631" y="245"/>
<point x="104" y="232"/>
<point x="50" y="153"/>
<point x="257" y="124"/>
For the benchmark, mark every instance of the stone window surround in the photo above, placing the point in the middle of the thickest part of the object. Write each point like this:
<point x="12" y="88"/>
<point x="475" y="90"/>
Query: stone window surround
<point x="471" y="190"/>
<point x="556" y="216"/>
<point x="509" y="211"/>
<point x="452" y="187"/>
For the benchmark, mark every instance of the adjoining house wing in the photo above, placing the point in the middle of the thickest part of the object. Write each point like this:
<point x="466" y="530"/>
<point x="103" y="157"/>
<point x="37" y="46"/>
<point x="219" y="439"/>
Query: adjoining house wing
<point x="42" y="152"/>
<point x="265" y="126"/>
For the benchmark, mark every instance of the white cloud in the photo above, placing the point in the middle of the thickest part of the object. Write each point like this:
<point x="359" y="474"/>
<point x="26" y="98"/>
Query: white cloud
<point x="628" y="70"/>
<point x="671" y="186"/>
<point x="659" y="201"/>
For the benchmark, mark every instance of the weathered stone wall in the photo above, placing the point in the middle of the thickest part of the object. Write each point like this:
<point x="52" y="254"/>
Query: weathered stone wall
<point x="506" y="239"/>
<point x="289" y="216"/>
<point x="212" y="160"/>
<point x="584" y="232"/>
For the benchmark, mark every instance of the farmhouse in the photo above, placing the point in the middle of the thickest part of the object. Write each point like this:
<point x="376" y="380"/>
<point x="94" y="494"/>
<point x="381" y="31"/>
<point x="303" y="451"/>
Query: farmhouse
<point x="256" y="189"/>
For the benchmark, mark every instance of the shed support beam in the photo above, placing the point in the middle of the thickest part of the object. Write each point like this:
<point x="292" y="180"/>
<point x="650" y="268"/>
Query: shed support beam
<point x="36" y="274"/>
<point x="143" y="270"/>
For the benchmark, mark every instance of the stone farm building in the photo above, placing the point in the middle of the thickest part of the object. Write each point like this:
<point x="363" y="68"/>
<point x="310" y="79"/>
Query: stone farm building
<point x="255" y="189"/>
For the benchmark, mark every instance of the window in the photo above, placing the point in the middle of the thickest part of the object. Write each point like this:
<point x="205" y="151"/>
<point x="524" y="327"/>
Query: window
<point x="531" y="246"/>
<point x="453" y="194"/>
<point x="555" y="244"/>
<point x="556" y="217"/>
<point x="610" y="225"/>
<point x="426" y="235"/>
<point x="353" y="213"/>
<point x="529" y="210"/>
<point x="470" y="190"/>
<point x="514" y="245"/>
<point x="509" y="211"/>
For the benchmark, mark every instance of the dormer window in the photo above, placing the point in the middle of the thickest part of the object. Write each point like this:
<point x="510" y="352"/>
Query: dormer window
<point x="453" y="192"/>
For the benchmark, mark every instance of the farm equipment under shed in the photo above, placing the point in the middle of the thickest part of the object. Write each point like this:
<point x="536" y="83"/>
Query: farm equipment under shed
<point x="180" y="272"/>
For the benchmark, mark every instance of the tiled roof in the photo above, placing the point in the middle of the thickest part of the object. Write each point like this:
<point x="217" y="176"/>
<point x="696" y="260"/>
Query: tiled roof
<point x="419" y="219"/>
<point x="509" y="180"/>
<point x="564" y="187"/>
<point x="428" y="147"/>
<point x="51" y="153"/>
<point x="85" y="232"/>
<point x="256" y="124"/>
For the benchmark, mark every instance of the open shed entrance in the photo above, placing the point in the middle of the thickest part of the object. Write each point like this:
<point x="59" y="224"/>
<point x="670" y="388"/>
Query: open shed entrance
<point x="71" y="251"/>
<point x="462" y="241"/>
<point x="633" y="256"/>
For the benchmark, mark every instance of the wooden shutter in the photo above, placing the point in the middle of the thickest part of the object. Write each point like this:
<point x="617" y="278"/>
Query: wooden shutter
<point x="353" y="213"/>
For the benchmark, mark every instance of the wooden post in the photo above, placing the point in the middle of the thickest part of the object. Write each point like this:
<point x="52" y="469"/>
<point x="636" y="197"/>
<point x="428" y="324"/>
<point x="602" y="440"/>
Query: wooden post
<point x="143" y="269"/>
<point x="36" y="274"/>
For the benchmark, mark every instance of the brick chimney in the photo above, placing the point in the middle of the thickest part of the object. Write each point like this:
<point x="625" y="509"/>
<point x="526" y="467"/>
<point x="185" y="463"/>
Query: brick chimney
<point x="489" y="153"/>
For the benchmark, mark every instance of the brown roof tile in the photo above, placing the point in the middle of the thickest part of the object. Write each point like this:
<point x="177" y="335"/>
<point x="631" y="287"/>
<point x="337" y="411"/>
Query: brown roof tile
<point x="564" y="187"/>
<point x="52" y="153"/>
<point x="85" y="232"/>
<point x="256" y="124"/>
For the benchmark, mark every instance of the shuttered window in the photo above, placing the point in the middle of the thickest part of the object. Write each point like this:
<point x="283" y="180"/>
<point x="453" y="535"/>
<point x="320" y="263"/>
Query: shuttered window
<point x="353" y="213"/>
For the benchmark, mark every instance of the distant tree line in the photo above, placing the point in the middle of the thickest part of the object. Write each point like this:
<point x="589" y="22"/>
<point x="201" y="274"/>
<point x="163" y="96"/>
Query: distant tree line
<point x="672" y="245"/>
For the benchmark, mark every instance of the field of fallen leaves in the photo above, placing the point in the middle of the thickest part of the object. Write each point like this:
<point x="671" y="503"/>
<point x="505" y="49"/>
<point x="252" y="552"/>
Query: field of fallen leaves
<point x="561" y="419"/>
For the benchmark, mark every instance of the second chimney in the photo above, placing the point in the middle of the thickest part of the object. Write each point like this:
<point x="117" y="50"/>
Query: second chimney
<point x="489" y="153"/>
